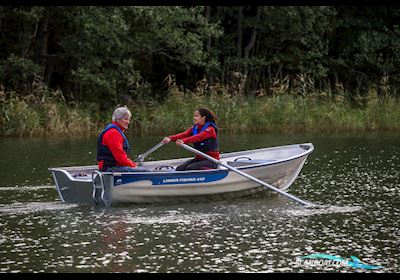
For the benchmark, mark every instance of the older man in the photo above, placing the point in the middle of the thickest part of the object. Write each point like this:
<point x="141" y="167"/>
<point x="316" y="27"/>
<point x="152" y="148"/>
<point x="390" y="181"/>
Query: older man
<point x="113" y="147"/>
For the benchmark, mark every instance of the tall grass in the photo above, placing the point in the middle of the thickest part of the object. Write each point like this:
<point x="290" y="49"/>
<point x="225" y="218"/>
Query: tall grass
<point x="44" y="113"/>
<point x="320" y="112"/>
<point x="48" y="114"/>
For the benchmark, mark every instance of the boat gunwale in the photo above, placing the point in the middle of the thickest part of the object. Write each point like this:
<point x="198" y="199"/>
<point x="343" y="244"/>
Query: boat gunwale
<point x="197" y="172"/>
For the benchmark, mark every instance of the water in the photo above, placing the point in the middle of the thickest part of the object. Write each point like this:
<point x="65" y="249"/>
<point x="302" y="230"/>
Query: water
<point x="356" y="176"/>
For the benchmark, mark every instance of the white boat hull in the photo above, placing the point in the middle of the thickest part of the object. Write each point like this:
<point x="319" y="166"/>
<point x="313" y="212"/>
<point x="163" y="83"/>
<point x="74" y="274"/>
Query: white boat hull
<point x="277" y="166"/>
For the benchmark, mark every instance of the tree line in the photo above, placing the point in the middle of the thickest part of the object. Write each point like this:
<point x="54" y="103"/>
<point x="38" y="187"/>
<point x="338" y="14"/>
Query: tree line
<point x="112" y="55"/>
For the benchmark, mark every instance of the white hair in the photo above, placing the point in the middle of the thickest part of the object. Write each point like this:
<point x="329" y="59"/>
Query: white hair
<point x="120" y="112"/>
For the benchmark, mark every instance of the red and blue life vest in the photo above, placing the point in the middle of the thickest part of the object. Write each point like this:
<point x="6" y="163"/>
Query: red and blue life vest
<point x="210" y="144"/>
<point x="104" y="153"/>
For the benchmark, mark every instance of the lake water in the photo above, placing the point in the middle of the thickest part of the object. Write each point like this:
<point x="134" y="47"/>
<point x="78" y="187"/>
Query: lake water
<point x="356" y="174"/>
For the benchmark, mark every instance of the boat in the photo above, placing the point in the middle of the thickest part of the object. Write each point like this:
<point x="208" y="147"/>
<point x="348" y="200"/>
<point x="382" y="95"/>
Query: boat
<point x="277" y="166"/>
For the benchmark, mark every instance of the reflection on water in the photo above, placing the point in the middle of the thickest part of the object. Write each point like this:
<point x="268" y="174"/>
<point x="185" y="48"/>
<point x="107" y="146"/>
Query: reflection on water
<point x="26" y="188"/>
<point x="356" y="176"/>
<point x="323" y="210"/>
<point x="28" y="207"/>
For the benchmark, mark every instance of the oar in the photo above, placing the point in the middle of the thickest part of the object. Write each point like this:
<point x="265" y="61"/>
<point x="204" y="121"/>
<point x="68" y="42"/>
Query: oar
<point x="308" y="204"/>
<point x="139" y="159"/>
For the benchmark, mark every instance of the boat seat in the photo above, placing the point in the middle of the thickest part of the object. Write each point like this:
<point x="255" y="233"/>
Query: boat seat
<point x="164" y="168"/>
<point x="81" y="175"/>
<point x="240" y="163"/>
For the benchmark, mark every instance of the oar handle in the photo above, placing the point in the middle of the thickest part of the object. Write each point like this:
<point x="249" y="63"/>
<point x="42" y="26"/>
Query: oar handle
<point x="246" y="175"/>
<point x="140" y="158"/>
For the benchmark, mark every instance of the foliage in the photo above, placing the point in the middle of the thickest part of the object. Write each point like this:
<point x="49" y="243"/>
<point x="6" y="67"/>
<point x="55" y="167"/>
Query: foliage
<point x="98" y="57"/>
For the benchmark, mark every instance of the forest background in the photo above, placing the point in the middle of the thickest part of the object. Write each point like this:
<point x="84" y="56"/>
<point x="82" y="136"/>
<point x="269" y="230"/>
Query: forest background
<point x="63" y="69"/>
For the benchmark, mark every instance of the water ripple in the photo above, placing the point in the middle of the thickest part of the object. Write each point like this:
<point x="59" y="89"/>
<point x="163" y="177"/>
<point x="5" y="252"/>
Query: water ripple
<point x="29" y="207"/>
<point x="26" y="188"/>
<point x="323" y="210"/>
<point x="356" y="178"/>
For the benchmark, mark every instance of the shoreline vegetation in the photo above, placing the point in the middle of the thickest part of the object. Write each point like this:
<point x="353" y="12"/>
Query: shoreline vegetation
<point x="323" y="69"/>
<point x="45" y="112"/>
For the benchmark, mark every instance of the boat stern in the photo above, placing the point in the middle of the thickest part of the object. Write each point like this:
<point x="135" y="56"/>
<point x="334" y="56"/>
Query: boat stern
<point x="72" y="189"/>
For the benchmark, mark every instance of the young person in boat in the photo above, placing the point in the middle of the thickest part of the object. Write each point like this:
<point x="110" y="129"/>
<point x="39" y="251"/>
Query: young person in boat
<point x="204" y="136"/>
<point x="113" y="147"/>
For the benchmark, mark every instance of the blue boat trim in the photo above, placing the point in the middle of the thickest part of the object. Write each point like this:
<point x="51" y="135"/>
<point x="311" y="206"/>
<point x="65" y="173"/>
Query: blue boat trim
<point x="171" y="178"/>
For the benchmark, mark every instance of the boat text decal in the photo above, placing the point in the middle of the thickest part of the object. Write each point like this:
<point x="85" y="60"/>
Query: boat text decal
<point x="167" y="179"/>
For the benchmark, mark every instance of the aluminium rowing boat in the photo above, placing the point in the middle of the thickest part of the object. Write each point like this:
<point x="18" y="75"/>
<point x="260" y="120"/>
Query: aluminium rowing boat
<point x="278" y="166"/>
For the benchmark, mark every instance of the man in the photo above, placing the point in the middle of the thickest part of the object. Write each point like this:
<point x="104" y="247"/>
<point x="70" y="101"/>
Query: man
<point x="113" y="147"/>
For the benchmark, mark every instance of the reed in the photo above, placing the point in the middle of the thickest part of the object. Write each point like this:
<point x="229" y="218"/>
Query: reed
<point x="49" y="114"/>
<point x="44" y="114"/>
<point x="283" y="113"/>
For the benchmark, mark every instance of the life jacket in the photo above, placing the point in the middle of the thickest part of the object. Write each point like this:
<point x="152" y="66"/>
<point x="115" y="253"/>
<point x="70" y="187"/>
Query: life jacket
<point x="210" y="144"/>
<point x="104" y="153"/>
